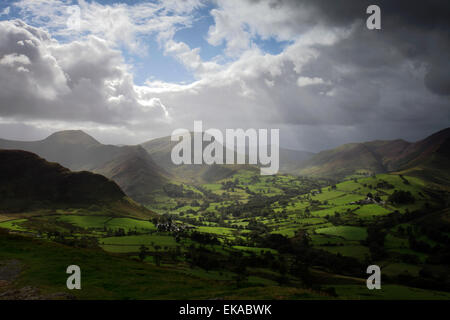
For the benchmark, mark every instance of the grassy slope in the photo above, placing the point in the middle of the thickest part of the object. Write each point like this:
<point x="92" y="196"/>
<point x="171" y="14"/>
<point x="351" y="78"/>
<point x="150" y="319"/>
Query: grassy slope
<point x="106" y="276"/>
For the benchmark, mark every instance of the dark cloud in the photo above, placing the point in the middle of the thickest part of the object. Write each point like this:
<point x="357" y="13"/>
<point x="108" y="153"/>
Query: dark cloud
<point x="438" y="77"/>
<point x="430" y="14"/>
<point x="418" y="30"/>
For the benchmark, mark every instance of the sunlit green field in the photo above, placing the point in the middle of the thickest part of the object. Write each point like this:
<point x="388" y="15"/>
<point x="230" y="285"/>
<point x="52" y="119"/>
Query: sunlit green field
<point x="13" y="225"/>
<point x="107" y="222"/>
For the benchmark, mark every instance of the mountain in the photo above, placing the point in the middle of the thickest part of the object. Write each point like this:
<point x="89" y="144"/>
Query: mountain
<point x="135" y="172"/>
<point x="429" y="156"/>
<point x="350" y="158"/>
<point x="142" y="170"/>
<point x="129" y="166"/>
<point x="28" y="181"/>
<point x="73" y="149"/>
<point x="160" y="150"/>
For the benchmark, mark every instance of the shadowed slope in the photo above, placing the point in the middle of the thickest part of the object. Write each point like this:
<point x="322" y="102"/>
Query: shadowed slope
<point x="27" y="180"/>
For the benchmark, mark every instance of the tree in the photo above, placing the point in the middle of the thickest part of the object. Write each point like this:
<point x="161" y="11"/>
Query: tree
<point x="241" y="274"/>
<point x="300" y="269"/>
<point x="401" y="197"/>
<point x="157" y="259"/>
<point x="143" y="252"/>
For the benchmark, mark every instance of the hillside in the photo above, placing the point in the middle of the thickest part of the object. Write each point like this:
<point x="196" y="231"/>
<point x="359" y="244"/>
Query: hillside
<point x="73" y="149"/>
<point x="370" y="157"/>
<point x="292" y="160"/>
<point x="28" y="181"/>
<point x="160" y="150"/>
<point x="111" y="276"/>
<point x="129" y="166"/>
<point x="135" y="172"/>
<point x="427" y="157"/>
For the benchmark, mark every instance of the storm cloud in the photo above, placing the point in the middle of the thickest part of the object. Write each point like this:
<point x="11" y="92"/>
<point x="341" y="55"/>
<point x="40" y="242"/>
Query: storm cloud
<point x="333" y="82"/>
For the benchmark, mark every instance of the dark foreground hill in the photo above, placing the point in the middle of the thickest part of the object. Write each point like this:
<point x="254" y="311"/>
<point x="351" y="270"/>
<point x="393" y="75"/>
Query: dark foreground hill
<point x="28" y="181"/>
<point x="129" y="166"/>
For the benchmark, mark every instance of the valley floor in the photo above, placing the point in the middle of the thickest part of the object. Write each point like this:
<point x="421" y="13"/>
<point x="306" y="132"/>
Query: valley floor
<point x="244" y="237"/>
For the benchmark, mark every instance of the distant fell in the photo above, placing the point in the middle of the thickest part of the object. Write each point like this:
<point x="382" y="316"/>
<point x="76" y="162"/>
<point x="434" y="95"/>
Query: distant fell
<point x="160" y="150"/>
<point x="428" y="158"/>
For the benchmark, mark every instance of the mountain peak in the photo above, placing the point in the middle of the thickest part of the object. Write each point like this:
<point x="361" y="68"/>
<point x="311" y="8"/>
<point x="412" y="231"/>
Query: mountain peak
<point x="72" y="137"/>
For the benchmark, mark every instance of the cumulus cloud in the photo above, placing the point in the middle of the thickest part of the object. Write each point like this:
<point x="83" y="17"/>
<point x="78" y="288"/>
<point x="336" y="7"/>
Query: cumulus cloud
<point x="333" y="82"/>
<point x="119" y="23"/>
<point x="81" y="80"/>
<point x="305" y="81"/>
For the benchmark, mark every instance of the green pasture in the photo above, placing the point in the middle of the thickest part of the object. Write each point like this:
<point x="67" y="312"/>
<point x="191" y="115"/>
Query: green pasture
<point x="13" y="225"/>
<point x="346" y="232"/>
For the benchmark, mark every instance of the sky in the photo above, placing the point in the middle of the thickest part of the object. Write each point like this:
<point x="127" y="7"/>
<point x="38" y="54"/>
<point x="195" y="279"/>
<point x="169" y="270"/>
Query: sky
<point x="129" y="71"/>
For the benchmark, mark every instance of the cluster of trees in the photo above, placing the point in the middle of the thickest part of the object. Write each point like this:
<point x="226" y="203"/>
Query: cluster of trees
<point x="230" y="185"/>
<point x="178" y="191"/>
<point x="401" y="197"/>
<point x="384" y="185"/>
<point x="120" y="232"/>
<point x="375" y="241"/>
<point x="204" y="238"/>
<point x="81" y="242"/>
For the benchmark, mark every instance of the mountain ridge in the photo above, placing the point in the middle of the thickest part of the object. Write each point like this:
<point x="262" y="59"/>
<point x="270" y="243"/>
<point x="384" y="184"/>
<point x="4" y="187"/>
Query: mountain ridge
<point x="141" y="169"/>
<point x="379" y="156"/>
<point x="79" y="151"/>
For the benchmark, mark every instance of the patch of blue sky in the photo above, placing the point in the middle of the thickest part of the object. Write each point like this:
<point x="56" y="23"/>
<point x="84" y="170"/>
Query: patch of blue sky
<point x="7" y="11"/>
<point x="155" y="65"/>
<point x="195" y="35"/>
<point x="270" y="45"/>
<point x="128" y="2"/>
